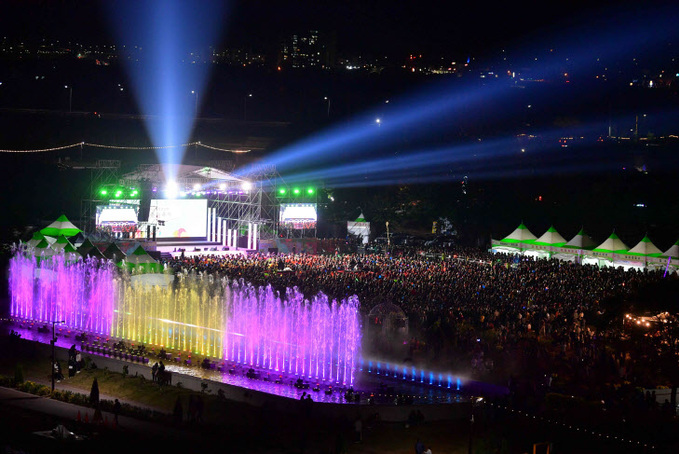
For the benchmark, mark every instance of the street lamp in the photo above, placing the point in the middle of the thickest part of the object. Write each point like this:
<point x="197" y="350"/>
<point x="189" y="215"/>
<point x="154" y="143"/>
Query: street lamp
<point x="195" y="109"/>
<point x="475" y="401"/>
<point x="70" y="97"/>
<point x="328" y="99"/>
<point x="245" y="106"/>
<point x="54" y="341"/>
<point x="378" y="122"/>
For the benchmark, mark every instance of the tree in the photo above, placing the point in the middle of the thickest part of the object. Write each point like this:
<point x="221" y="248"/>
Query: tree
<point x="94" y="393"/>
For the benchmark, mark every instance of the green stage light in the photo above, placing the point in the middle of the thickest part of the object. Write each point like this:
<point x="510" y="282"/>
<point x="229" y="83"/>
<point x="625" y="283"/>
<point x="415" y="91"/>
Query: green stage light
<point x="119" y="194"/>
<point x="282" y="191"/>
<point x="103" y="192"/>
<point x="296" y="191"/>
<point x="134" y="193"/>
<point x="310" y="191"/>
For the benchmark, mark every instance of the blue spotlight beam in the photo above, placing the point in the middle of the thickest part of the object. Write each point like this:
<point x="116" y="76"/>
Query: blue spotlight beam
<point x="166" y="49"/>
<point x="484" y="153"/>
<point x="422" y="112"/>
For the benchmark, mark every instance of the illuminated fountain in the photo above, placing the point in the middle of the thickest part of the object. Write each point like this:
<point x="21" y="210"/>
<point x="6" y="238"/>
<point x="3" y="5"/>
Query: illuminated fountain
<point x="200" y="314"/>
<point x="315" y="339"/>
<point x="82" y="294"/>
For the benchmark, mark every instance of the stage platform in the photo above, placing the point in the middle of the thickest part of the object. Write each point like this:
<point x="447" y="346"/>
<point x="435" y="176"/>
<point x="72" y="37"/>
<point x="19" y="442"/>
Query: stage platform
<point x="192" y="247"/>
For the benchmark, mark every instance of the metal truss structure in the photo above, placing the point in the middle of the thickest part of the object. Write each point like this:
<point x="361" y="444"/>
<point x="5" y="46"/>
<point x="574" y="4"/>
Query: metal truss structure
<point x="238" y="202"/>
<point x="103" y="172"/>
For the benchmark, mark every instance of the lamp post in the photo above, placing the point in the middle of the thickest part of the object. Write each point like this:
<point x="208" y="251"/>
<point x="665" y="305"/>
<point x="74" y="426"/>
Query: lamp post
<point x="328" y="99"/>
<point x="245" y="106"/>
<point x="474" y="403"/>
<point x="195" y="108"/>
<point x="54" y="341"/>
<point x="70" y="97"/>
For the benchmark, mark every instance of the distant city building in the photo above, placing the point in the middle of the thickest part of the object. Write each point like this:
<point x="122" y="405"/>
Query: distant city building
<point x="307" y="51"/>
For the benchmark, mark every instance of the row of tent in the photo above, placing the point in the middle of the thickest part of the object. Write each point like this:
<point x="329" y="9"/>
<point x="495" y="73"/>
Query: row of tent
<point x="612" y="251"/>
<point x="54" y="239"/>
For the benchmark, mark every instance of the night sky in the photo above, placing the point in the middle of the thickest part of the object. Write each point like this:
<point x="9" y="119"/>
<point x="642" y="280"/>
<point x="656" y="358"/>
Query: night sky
<point x="372" y="27"/>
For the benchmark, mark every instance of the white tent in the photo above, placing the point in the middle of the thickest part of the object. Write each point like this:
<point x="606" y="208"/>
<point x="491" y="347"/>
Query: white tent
<point x="673" y="251"/>
<point x="551" y="238"/>
<point x="613" y="244"/>
<point x="581" y="241"/>
<point x="520" y="235"/>
<point x="645" y="247"/>
<point x="360" y="227"/>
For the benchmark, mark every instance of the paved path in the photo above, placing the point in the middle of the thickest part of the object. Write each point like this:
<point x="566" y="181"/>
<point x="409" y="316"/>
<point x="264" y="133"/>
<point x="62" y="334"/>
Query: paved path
<point x="13" y="398"/>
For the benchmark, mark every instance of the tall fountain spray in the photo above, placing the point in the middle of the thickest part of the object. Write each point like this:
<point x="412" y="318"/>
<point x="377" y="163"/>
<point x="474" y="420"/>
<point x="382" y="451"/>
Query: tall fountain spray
<point x="316" y="339"/>
<point x="188" y="316"/>
<point x="82" y="293"/>
<point x="199" y="313"/>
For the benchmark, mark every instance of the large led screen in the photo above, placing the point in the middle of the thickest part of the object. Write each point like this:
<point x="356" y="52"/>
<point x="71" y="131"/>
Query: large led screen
<point x="298" y="215"/>
<point x="179" y="218"/>
<point x="114" y="215"/>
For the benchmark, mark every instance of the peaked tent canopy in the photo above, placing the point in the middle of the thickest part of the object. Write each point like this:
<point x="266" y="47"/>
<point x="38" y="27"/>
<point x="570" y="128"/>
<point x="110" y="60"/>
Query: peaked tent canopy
<point x="61" y="243"/>
<point x="613" y="244"/>
<point x="62" y="226"/>
<point x="139" y="255"/>
<point x="70" y="249"/>
<point x="581" y="241"/>
<point x="92" y="252"/>
<point x="360" y="227"/>
<point x="86" y="247"/>
<point x="520" y="235"/>
<point x="43" y="249"/>
<point x="646" y="247"/>
<point x="551" y="238"/>
<point x="673" y="251"/>
<point x="35" y="239"/>
<point x="113" y="252"/>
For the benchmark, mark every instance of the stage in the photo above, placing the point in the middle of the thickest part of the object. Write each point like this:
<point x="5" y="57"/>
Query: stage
<point x="195" y="247"/>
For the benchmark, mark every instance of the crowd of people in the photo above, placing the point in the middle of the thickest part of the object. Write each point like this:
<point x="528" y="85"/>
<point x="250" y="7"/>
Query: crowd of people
<point x="468" y="307"/>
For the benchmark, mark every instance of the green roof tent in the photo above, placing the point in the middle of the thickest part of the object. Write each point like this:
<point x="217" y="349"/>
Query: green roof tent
<point x="551" y="238"/>
<point x="646" y="247"/>
<point x="360" y="227"/>
<point x="520" y="235"/>
<point x="86" y="247"/>
<point x="61" y="243"/>
<point x="35" y="239"/>
<point x="673" y="251"/>
<point x="141" y="261"/>
<point x="113" y="252"/>
<point x="62" y="226"/>
<point x="92" y="252"/>
<point x="581" y="241"/>
<point x="139" y="255"/>
<point x="43" y="249"/>
<point x="613" y="244"/>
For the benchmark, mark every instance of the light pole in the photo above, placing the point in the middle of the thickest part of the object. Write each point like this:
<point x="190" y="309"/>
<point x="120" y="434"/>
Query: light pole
<point x="245" y="106"/>
<point x="54" y="341"/>
<point x="328" y="99"/>
<point x="70" y="97"/>
<point x="195" y="108"/>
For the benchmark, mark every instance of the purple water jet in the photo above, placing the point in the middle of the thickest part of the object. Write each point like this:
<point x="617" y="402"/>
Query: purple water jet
<point x="317" y="339"/>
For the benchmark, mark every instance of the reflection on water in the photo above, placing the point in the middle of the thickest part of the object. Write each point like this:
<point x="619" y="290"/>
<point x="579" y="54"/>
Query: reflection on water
<point x="383" y="391"/>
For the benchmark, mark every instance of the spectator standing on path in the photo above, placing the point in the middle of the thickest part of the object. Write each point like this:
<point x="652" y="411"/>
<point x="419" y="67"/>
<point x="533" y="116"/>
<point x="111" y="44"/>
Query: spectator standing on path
<point x="358" y="429"/>
<point x="116" y="411"/>
<point x="419" y="447"/>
